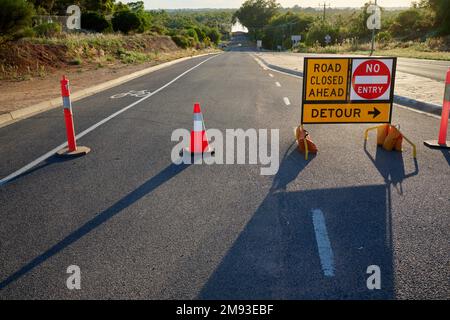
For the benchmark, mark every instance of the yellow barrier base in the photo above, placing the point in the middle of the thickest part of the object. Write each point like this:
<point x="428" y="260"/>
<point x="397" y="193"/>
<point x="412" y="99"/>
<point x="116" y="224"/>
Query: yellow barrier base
<point x="366" y="137"/>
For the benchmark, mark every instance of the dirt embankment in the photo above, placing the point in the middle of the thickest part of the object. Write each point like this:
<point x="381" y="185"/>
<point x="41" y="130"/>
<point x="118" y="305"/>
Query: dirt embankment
<point x="25" y="59"/>
<point x="30" y="69"/>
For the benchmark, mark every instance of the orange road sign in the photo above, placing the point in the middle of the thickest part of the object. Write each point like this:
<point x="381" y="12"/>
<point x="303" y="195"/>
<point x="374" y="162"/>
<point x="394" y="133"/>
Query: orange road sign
<point x="348" y="90"/>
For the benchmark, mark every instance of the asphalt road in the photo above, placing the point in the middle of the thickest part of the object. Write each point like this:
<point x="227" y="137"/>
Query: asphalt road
<point x="141" y="227"/>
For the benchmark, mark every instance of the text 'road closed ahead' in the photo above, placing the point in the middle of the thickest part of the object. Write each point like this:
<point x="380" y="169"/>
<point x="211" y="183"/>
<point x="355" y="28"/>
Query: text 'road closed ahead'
<point x="348" y="90"/>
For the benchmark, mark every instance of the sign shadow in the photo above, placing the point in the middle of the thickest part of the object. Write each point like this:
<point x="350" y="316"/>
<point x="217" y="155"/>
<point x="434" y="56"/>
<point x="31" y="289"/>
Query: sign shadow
<point x="276" y="255"/>
<point x="145" y="189"/>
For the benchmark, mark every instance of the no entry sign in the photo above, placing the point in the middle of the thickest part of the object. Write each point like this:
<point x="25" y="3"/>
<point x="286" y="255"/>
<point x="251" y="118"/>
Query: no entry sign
<point x="348" y="90"/>
<point x="371" y="79"/>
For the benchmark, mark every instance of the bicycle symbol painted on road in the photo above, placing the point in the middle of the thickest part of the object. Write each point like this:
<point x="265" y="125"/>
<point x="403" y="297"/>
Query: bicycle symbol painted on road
<point x="132" y="93"/>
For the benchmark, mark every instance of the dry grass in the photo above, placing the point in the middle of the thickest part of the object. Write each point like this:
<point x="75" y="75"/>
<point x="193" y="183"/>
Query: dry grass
<point x="433" y="48"/>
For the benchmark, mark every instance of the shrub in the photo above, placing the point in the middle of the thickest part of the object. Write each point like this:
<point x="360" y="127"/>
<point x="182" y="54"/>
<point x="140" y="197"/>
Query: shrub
<point x="94" y="21"/>
<point x="384" y="36"/>
<point x="15" y="15"/>
<point x="193" y="34"/>
<point x="214" y="35"/>
<point x="318" y="31"/>
<point x="126" y="21"/>
<point x="26" y="32"/>
<point x="181" y="41"/>
<point x="48" y="29"/>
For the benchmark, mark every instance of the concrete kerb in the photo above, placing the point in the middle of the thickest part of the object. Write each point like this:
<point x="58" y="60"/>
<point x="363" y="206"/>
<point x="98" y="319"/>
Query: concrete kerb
<point x="403" y="101"/>
<point x="20" y="114"/>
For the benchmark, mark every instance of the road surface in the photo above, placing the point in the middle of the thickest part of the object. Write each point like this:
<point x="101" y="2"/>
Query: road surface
<point x="140" y="227"/>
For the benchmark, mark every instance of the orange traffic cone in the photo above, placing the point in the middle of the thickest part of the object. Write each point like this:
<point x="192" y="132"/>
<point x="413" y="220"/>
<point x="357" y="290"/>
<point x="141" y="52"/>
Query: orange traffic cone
<point x="199" y="141"/>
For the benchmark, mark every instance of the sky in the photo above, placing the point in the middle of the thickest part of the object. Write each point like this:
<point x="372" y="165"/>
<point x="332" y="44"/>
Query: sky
<point x="179" y="4"/>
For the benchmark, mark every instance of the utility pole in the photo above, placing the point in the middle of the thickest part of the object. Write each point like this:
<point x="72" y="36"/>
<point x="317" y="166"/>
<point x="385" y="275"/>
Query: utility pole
<point x="373" y="37"/>
<point x="324" y="10"/>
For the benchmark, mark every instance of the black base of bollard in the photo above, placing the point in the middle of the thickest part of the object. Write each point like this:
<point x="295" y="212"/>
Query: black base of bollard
<point x="81" y="151"/>
<point x="435" y="145"/>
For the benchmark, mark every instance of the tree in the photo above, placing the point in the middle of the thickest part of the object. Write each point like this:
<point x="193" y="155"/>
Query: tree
<point x="255" y="14"/>
<point x="441" y="8"/>
<point x="319" y="30"/>
<point x="94" y="21"/>
<point x="126" y="21"/>
<point x="282" y="27"/>
<point x="15" y="15"/>
<point x="136" y="6"/>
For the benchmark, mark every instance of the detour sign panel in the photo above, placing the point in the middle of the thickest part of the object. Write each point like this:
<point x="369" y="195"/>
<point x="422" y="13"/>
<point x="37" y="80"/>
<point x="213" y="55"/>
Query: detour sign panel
<point x="348" y="90"/>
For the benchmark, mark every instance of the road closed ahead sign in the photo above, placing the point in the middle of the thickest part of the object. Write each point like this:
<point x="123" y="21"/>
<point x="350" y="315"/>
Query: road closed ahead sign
<point x="348" y="90"/>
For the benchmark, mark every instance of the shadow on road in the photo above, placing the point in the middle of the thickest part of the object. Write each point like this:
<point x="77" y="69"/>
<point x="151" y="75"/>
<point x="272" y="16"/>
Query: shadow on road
<point x="276" y="255"/>
<point x="50" y="161"/>
<point x="391" y="166"/>
<point x="446" y="154"/>
<point x="142" y="191"/>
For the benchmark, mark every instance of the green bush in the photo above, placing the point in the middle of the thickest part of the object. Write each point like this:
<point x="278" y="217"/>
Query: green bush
<point x="49" y="29"/>
<point x="384" y="36"/>
<point x="126" y="21"/>
<point x="26" y="32"/>
<point x="181" y="41"/>
<point x="15" y="15"/>
<point x="193" y="34"/>
<point x="94" y="21"/>
<point x="412" y="24"/>
<point x="214" y="35"/>
<point x="318" y="32"/>
<point x="146" y="21"/>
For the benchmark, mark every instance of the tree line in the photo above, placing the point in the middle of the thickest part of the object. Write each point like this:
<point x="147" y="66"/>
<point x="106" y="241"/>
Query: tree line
<point x="197" y="29"/>
<point x="266" y="20"/>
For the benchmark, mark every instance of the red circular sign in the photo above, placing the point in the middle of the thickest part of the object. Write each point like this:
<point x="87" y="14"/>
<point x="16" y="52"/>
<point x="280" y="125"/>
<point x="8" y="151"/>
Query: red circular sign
<point x="371" y="79"/>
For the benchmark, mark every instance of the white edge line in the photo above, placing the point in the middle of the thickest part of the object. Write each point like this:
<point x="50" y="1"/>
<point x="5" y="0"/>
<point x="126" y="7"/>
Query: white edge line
<point x="95" y="126"/>
<point x="323" y="243"/>
<point x="275" y="70"/>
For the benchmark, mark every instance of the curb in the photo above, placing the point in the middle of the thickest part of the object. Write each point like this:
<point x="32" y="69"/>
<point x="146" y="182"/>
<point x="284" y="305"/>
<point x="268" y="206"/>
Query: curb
<point x="20" y="114"/>
<point x="403" y="101"/>
<point x="418" y="105"/>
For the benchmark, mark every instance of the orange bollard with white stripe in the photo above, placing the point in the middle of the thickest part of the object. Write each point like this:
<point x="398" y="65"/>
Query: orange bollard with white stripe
<point x="72" y="149"/>
<point x="199" y="141"/>
<point x="442" y="142"/>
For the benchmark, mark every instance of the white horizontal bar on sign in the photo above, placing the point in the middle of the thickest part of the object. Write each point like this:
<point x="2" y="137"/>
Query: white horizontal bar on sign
<point x="371" y="79"/>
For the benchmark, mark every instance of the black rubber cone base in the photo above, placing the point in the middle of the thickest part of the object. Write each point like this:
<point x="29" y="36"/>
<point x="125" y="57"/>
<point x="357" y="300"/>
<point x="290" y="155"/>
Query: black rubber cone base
<point x="81" y="151"/>
<point x="208" y="151"/>
<point x="435" y="145"/>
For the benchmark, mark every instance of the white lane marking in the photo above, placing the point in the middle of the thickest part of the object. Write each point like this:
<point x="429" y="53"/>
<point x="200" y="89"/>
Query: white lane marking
<point x="278" y="84"/>
<point x="270" y="75"/>
<point x="95" y="126"/>
<point x="286" y="101"/>
<point x="323" y="243"/>
<point x="278" y="71"/>
<point x="260" y="64"/>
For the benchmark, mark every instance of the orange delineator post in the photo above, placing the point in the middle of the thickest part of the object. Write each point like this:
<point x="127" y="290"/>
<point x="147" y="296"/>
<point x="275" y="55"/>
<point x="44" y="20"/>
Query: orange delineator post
<point x="65" y="93"/>
<point x="445" y="111"/>
<point x="72" y="149"/>
<point x="442" y="139"/>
